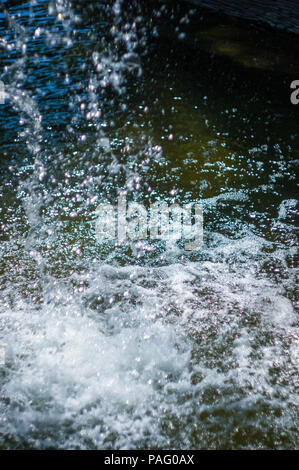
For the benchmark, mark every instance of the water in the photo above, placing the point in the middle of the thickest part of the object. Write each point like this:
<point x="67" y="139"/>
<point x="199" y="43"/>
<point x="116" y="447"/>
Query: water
<point x="146" y="345"/>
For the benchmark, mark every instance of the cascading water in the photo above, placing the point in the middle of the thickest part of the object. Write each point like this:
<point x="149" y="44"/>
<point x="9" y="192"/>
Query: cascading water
<point x="144" y="345"/>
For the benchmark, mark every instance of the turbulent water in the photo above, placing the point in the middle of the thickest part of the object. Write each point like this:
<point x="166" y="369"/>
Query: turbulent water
<point x="146" y="345"/>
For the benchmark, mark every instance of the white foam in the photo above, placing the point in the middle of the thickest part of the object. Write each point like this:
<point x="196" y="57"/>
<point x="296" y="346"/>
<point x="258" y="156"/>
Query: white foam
<point x="107" y="364"/>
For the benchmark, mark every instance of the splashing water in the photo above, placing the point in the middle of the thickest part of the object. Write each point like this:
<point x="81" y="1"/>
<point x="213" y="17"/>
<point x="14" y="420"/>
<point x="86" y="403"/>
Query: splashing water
<point x="147" y="346"/>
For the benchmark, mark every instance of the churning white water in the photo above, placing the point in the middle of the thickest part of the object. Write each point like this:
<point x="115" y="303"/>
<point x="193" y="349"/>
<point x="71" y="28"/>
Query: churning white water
<point x="144" y="346"/>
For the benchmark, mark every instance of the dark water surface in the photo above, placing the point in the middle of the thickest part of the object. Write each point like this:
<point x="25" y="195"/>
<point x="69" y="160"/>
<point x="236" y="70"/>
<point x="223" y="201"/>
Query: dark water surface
<point x="146" y="345"/>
